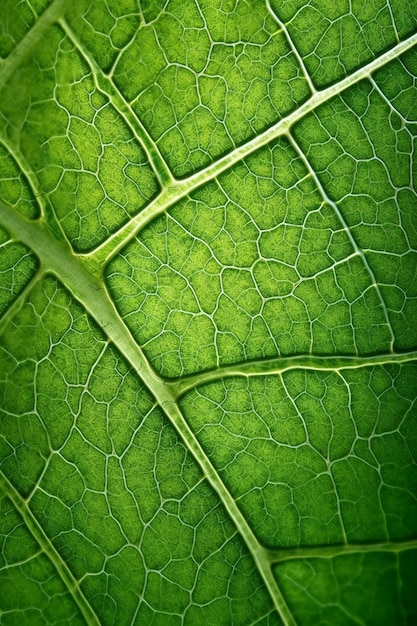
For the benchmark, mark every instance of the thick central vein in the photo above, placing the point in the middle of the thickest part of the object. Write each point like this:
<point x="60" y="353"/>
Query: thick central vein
<point x="82" y="278"/>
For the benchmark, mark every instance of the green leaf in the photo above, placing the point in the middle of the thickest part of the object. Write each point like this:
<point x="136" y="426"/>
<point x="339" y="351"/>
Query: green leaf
<point x="208" y="305"/>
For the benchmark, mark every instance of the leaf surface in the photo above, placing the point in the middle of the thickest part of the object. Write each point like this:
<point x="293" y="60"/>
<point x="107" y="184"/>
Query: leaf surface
<point x="208" y="301"/>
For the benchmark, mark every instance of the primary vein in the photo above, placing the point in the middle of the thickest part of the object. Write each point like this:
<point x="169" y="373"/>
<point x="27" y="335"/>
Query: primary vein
<point x="56" y="257"/>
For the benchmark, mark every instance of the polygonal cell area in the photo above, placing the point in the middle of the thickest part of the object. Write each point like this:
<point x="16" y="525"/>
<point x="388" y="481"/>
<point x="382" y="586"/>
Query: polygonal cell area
<point x="373" y="588"/>
<point x="109" y="481"/>
<point x="362" y="149"/>
<point x="16" y="20"/>
<point x="88" y="162"/>
<point x="206" y="77"/>
<point x="315" y="458"/>
<point x="14" y="188"/>
<point x="17" y="266"/>
<point x="252" y="265"/>
<point x="31" y="591"/>
<point x="335" y="38"/>
<point x="105" y="27"/>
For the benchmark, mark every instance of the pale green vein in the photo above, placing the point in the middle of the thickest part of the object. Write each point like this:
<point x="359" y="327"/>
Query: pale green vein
<point x="348" y="232"/>
<point x="48" y="548"/>
<point x="177" y="190"/>
<point x="329" y="552"/>
<point x="47" y="212"/>
<point x="26" y="170"/>
<point x="294" y="50"/>
<point x="31" y="39"/>
<point x="105" y="85"/>
<point x="259" y="554"/>
<point x="19" y="301"/>
<point x="83" y="279"/>
<point x="278" y="365"/>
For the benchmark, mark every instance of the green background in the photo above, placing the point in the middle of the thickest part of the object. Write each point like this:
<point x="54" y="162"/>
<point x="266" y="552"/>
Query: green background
<point x="208" y="307"/>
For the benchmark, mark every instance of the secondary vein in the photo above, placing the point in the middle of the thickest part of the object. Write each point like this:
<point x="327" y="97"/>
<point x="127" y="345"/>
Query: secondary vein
<point x="48" y="548"/>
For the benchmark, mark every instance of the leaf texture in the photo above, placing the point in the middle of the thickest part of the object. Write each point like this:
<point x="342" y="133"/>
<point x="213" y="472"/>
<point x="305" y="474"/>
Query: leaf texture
<point x="208" y="307"/>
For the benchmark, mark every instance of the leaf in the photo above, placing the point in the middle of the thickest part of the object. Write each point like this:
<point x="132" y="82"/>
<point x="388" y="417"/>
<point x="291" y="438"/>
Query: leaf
<point x="208" y="295"/>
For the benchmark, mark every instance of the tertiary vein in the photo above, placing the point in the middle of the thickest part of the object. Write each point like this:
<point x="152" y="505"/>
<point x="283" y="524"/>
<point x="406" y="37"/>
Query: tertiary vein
<point x="83" y="279"/>
<point x="35" y="34"/>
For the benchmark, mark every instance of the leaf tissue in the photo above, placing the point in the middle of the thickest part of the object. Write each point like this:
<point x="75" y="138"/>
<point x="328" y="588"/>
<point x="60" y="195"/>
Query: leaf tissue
<point x="208" y="313"/>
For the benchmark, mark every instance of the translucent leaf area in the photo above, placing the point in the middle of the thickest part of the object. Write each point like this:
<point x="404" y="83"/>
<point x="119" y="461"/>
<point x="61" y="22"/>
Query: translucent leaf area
<point x="208" y="313"/>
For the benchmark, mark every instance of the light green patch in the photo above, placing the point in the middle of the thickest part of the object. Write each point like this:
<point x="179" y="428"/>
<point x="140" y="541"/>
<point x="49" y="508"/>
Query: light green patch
<point x="60" y="115"/>
<point x="200" y="76"/>
<point x="293" y="453"/>
<point x="208" y="296"/>
<point x="336" y="38"/>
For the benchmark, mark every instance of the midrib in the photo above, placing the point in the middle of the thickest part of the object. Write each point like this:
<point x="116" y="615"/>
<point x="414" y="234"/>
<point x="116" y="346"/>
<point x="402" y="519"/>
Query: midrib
<point x="87" y="287"/>
<point x="82" y="277"/>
